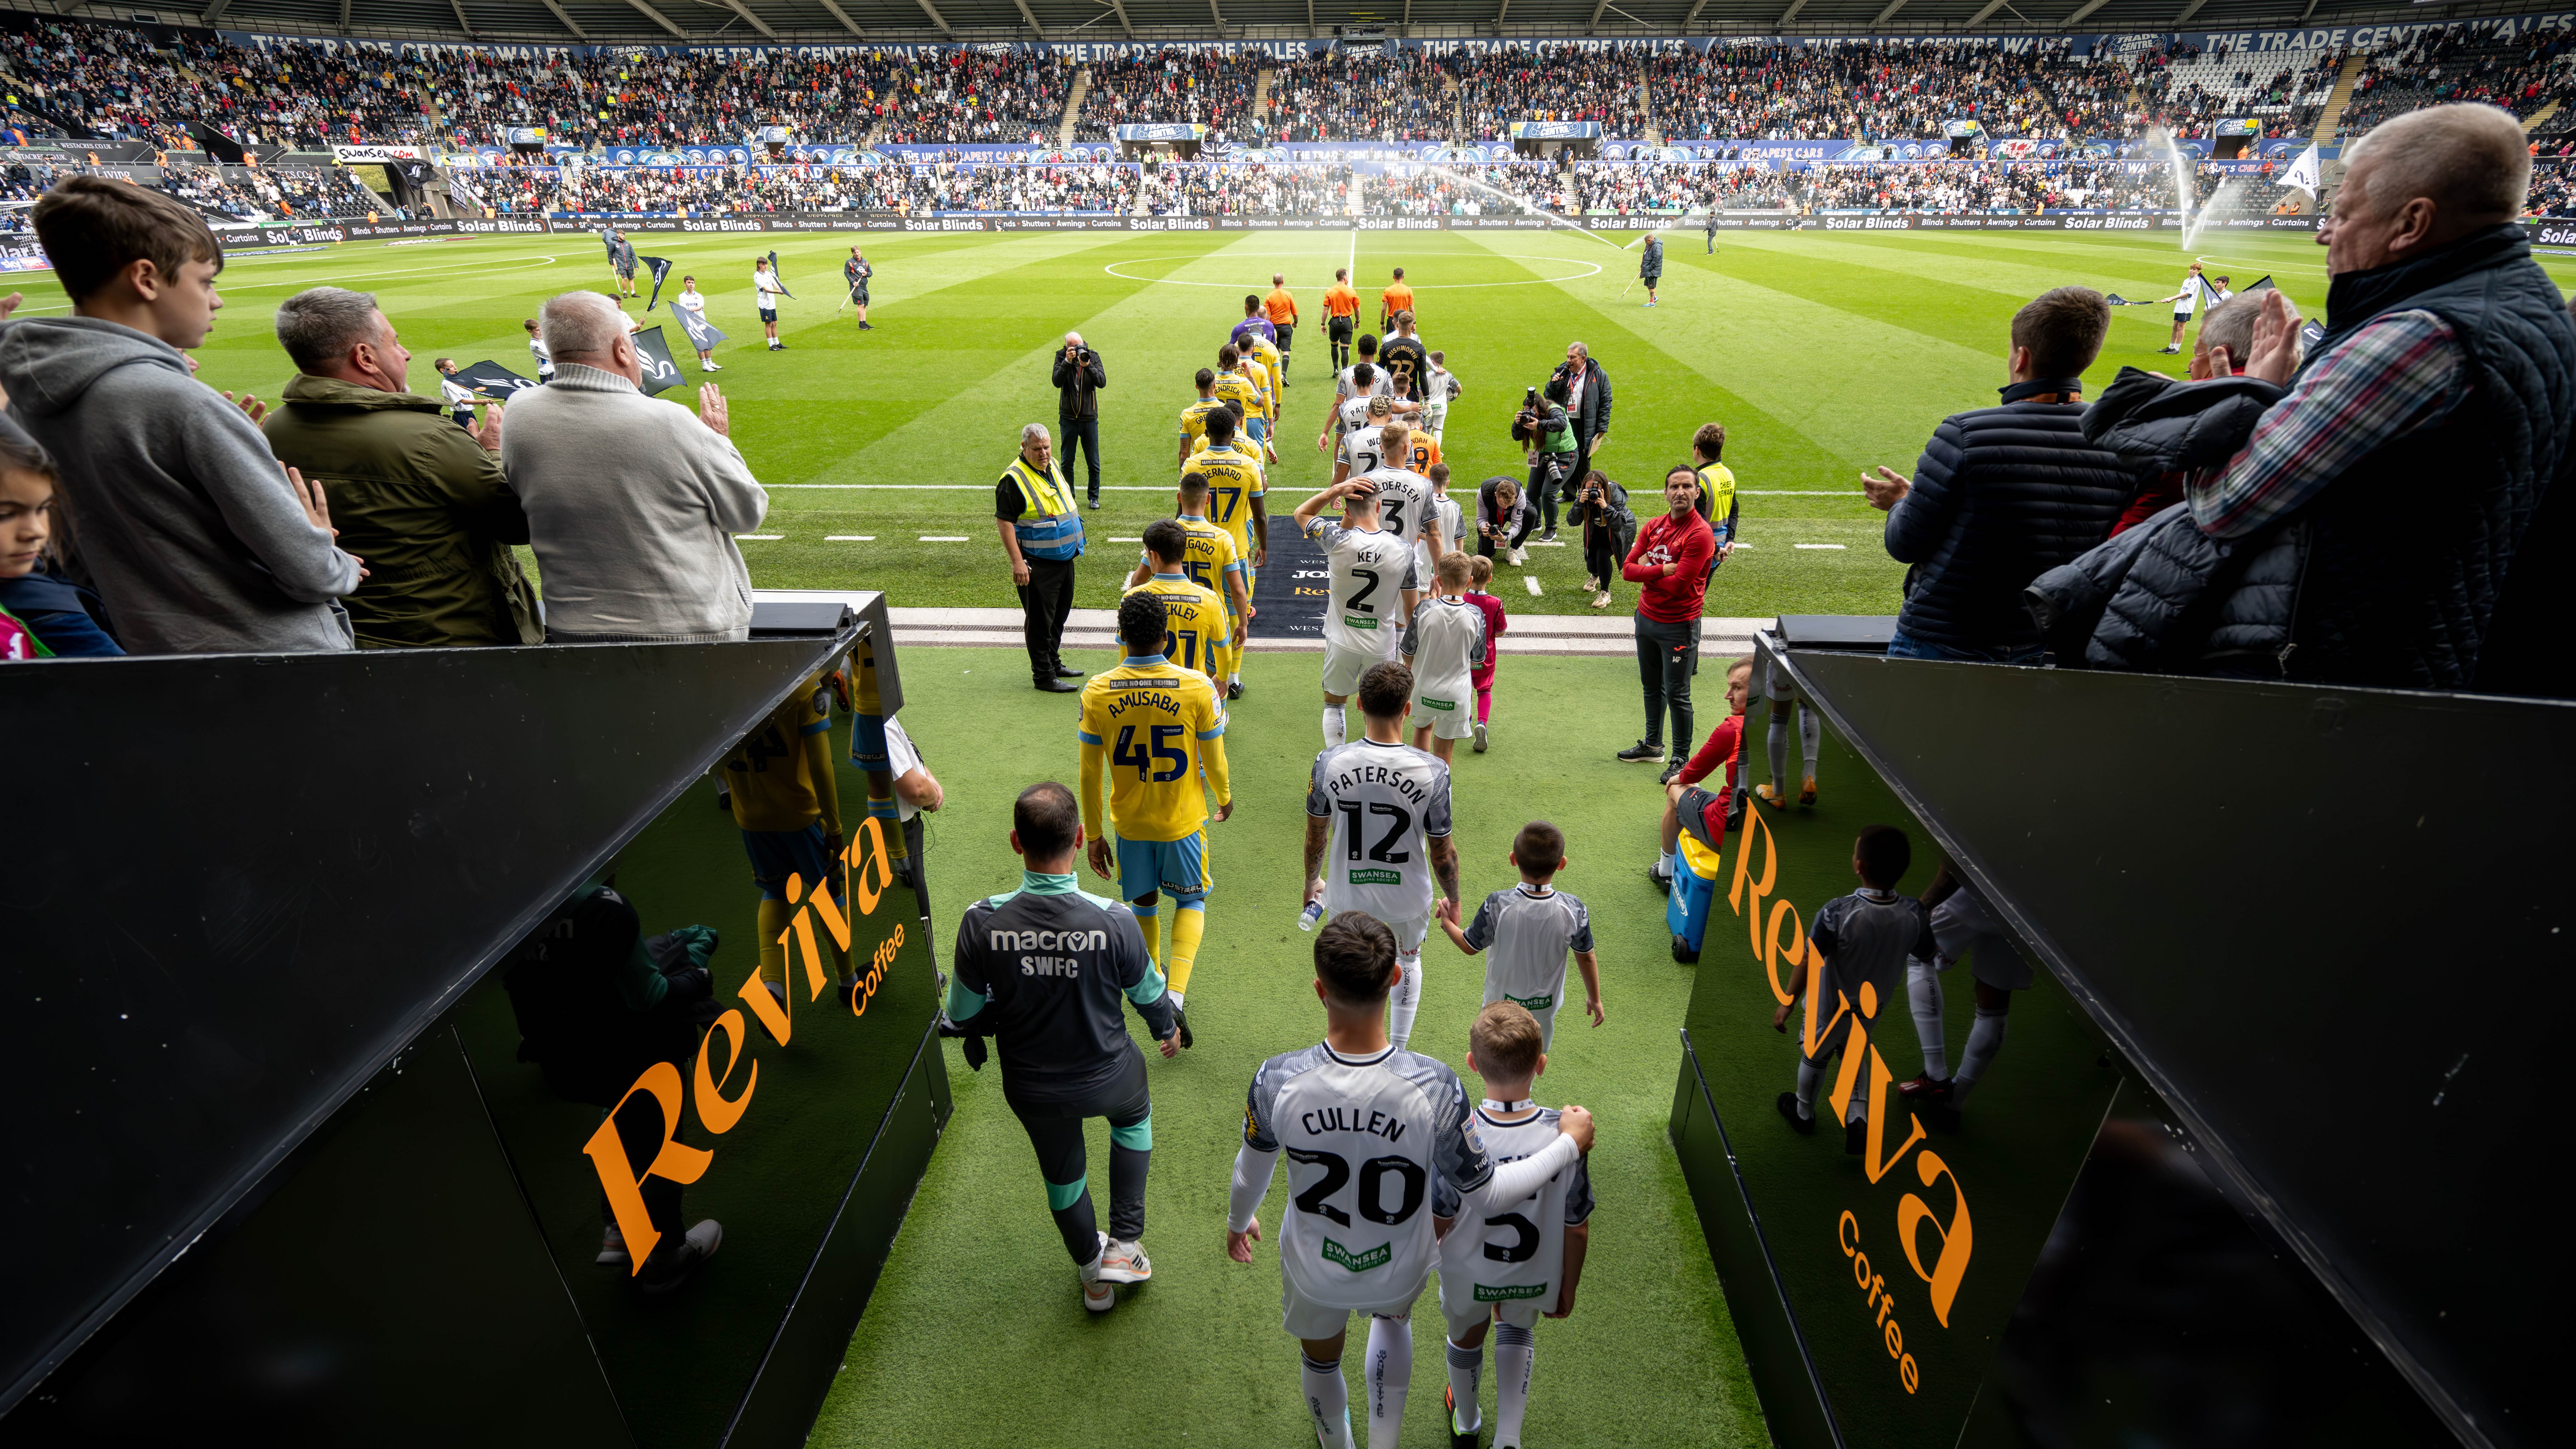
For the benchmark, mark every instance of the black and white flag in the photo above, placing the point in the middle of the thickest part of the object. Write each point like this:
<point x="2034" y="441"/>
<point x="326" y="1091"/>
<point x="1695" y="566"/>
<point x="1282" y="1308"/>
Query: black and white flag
<point x="660" y="371"/>
<point x="777" y="276"/>
<point x="661" y="268"/>
<point x="491" y="381"/>
<point x="703" y="334"/>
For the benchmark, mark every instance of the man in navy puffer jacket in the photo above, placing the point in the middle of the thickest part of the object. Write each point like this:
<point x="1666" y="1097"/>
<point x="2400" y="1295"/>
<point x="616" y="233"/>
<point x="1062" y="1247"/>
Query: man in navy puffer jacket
<point x="2003" y="494"/>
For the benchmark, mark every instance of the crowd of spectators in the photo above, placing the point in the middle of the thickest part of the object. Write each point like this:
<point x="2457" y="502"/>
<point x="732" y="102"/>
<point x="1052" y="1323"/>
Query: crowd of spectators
<point x="1499" y="85"/>
<point x="745" y="190"/>
<point x="1880" y="88"/>
<point x="1396" y="95"/>
<point x="269" y="193"/>
<point x="1146" y="86"/>
<point x="1315" y="189"/>
<point x="2457" y="64"/>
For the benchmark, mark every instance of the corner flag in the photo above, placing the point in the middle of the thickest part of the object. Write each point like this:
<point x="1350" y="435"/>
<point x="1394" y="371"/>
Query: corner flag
<point x="2303" y="172"/>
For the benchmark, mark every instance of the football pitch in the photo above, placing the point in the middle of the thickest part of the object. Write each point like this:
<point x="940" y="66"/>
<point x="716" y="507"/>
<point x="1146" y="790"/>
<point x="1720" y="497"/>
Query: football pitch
<point x="1822" y="353"/>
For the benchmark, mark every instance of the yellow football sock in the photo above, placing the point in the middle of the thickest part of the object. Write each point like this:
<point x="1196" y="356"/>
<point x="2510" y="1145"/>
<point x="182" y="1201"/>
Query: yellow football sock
<point x="1189" y="923"/>
<point x="1163" y="940"/>
<point x="774" y="916"/>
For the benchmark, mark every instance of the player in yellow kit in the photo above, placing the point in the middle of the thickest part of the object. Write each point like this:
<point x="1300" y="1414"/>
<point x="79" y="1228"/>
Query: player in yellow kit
<point x="1212" y="563"/>
<point x="780" y="786"/>
<point x="1155" y="729"/>
<point x="1234" y="385"/>
<point x="1198" y="633"/>
<point x="1236" y="485"/>
<point x="1194" y="417"/>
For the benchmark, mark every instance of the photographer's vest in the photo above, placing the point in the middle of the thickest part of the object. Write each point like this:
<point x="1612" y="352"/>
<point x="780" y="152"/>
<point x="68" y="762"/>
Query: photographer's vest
<point x="1048" y="526"/>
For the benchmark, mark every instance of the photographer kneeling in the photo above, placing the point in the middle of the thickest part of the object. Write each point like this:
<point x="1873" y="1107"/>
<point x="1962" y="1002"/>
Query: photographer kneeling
<point x="1503" y="519"/>
<point x="1545" y="428"/>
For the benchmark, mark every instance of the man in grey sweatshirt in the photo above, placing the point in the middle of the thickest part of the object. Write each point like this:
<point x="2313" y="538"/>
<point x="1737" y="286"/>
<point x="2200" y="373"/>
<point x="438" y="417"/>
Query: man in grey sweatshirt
<point x="632" y="503"/>
<point x="196" y="538"/>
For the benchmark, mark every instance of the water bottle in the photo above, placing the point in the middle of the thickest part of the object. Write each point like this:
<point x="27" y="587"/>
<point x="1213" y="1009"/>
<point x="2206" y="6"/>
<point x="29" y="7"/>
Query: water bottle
<point x="1307" y="918"/>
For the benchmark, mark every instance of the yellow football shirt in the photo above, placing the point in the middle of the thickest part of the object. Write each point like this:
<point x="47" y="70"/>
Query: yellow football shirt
<point x="769" y="776"/>
<point x="1157" y="724"/>
<point x="1236" y="388"/>
<point x="1266" y="358"/>
<point x="1201" y="638"/>
<point x="1212" y="554"/>
<point x="1234" y="480"/>
<point x="1194" y="418"/>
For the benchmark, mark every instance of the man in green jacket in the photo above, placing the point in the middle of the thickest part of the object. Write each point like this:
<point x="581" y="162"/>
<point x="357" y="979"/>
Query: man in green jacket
<point x="426" y="498"/>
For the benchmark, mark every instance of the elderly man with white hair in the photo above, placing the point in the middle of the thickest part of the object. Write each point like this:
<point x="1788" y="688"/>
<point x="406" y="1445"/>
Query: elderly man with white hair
<point x="632" y="503"/>
<point x="2403" y="459"/>
<point x="1042" y="535"/>
<point x="1079" y="378"/>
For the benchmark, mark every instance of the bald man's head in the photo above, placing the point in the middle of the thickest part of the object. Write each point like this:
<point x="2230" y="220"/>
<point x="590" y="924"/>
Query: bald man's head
<point x="2423" y="180"/>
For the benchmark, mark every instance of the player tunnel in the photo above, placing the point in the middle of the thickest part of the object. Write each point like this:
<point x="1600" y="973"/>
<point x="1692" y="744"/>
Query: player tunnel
<point x="410" y="1010"/>
<point x="2234" y="1174"/>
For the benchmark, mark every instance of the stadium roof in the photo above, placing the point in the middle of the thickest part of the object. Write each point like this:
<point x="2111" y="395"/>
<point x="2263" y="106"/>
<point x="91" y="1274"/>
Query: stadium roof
<point x="755" y="22"/>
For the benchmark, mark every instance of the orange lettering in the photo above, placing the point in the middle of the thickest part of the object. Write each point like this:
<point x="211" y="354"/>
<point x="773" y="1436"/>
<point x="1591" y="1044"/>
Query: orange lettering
<point x="1958" y="1239"/>
<point x="871" y="873"/>
<point x="1871" y="1162"/>
<point x="1855" y="1046"/>
<point x="835" y="924"/>
<point x="1773" y="956"/>
<point x="714" y="1111"/>
<point x="674" y="1162"/>
<point x="763" y="1005"/>
<point x="1743" y="866"/>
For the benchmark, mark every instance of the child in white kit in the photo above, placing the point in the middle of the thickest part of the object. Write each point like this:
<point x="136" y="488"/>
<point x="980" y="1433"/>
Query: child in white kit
<point x="1531" y="929"/>
<point x="1490" y="1267"/>
<point x="1443" y="645"/>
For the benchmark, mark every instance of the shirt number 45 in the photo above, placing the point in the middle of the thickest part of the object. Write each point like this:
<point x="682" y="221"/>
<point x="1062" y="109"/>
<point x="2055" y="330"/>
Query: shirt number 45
<point x="1128" y="752"/>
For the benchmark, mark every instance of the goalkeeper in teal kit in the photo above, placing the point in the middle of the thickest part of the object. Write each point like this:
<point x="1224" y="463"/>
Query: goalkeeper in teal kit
<point x="1047" y="970"/>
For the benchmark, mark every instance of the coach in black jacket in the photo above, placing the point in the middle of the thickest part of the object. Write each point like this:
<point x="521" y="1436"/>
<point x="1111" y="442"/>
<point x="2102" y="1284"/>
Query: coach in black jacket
<point x="2003" y="494"/>
<point x="1079" y="377"/>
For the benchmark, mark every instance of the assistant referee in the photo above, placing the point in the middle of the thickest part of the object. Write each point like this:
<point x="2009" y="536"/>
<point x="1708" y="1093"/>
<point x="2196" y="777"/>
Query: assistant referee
<point x="1042" y="970"/>
<point x="1281" y="309"/>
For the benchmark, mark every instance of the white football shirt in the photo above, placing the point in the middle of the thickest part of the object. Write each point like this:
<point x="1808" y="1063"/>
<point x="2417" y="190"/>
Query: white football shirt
<point x="1363" y="450"/>
<point x="1386" y="802"/>
<point x="1512" y="1251"/>
<point x="1526" y="934"/>
<point x="1370" y="569"/>
<point x="1370" y="1142"/>
<point x="1403" y="502"/>
<point x="1444" y="646"/>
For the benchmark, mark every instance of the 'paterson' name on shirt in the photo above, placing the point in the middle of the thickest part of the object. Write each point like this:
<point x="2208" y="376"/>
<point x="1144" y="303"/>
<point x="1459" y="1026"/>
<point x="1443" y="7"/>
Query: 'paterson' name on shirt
<point x="1403" y="783"/>
<point x="1347" y="1119"/>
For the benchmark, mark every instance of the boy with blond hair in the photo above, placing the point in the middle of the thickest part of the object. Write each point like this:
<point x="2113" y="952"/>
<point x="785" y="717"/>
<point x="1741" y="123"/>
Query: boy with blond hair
<point x="1444" y="645"/>
<point x="1489" y="1266"/>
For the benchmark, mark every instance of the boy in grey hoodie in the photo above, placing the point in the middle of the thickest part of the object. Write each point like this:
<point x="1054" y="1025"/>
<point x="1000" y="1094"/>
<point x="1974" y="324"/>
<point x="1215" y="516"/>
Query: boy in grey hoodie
<point x="196" y="538"/>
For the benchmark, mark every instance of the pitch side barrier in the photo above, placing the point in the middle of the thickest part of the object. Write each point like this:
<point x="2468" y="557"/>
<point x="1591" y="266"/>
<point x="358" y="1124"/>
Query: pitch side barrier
<point x="348" y="1115"/>
<point x="2227" y="1180"/>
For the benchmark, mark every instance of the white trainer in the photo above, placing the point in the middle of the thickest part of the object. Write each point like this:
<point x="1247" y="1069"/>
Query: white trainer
<point x="1124" y="1263"/>
<point x="1480" y="737"/>
<point x="1098" y="1296"/>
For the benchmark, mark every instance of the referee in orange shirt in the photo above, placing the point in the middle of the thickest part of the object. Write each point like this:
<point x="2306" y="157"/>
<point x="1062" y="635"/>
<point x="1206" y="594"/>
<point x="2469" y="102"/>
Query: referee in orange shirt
<point x="1396" y="298"/>
<point x="1281" y="309"/>
<point x="1341" y="317"/>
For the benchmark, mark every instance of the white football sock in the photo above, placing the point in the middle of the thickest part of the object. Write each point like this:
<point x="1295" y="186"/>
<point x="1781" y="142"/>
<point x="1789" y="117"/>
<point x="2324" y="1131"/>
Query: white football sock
<point x="1811" y="736"/>
<point x="1466" y="1373"/>
<point x="1176" y="997"/>
<point x="1405" y="1000"/>
<point x="1776" y="742"/>
<point x="1390" y="1378"/>
<point x="1513" y="1350"/>
<point x="1663" y="862"/>
<point x="1332" y="726"/>
<point x="1328" y="1402"/>
<point x="1985" y="1039"/>
<point x="1923" y="986"/>
<point x="1810" y="1076"/>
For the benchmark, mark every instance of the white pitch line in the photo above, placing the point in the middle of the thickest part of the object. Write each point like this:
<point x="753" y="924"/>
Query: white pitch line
<point x="849" y="538"/>
<point x="1821" y="545"/>
<point x="1532" y="581"/>
<point x="1116" y="539"/>
<point x="943" y="538"/>
<point x="758" y="537"/>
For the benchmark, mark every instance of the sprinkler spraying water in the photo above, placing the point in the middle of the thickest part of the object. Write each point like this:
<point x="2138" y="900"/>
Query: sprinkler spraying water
<point x="1552" y="219"/>
<point x="2185" y="189"/>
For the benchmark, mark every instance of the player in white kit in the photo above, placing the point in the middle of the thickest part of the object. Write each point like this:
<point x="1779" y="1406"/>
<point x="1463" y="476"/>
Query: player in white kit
<point x="1369" y="596"/>
<point x="1444" y="646"/>
<point x="1372" y="1133"/>
<point x="1530" y="930"/>
<point x="1361" y="449"/>
<point x="1510" y="1261"/>
<point x="1385" y="807"/>
<point x="1405" y="506"/>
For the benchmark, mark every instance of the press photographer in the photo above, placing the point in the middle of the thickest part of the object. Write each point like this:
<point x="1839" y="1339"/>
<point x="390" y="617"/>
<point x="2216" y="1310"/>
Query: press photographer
<point x="1079" y="378"/>
<point x="1545" y="428"/>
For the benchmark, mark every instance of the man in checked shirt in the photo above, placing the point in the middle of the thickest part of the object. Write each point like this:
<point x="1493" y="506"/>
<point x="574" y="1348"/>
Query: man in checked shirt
<point x="2420" y="435"/>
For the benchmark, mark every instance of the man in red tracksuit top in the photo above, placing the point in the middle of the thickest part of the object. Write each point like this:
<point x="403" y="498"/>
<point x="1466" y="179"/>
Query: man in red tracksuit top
<point x="1670" y="561"/>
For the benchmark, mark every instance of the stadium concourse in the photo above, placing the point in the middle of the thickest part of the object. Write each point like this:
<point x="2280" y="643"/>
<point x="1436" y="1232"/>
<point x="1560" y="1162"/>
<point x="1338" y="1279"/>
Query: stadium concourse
<point x="759" y="793"/>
